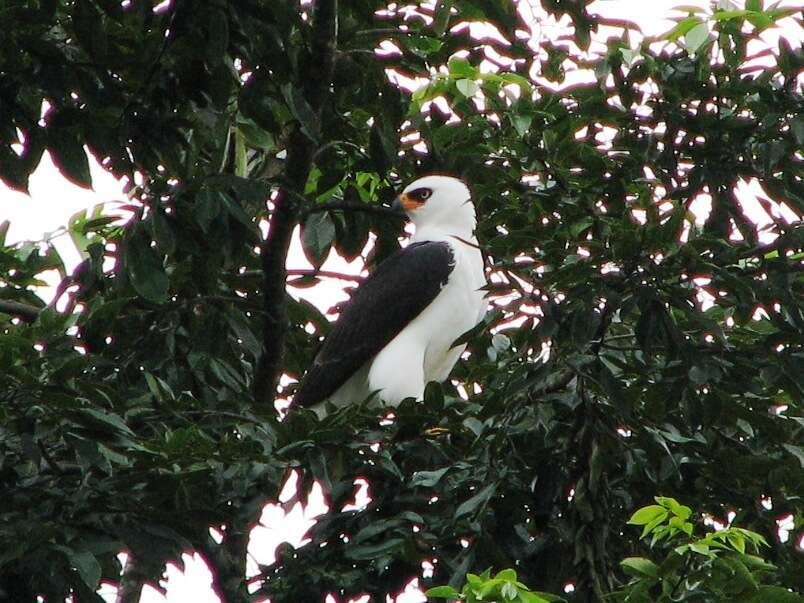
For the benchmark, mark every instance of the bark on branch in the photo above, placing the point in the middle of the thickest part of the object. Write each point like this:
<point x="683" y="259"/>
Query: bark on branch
<point x="314" y="79"/>
<point x="23" y="311"/>
<point x="131" y="582"/>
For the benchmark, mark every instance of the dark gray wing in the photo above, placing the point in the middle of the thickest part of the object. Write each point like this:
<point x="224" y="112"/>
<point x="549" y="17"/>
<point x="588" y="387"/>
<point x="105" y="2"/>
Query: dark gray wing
<point x="395" y="293"/>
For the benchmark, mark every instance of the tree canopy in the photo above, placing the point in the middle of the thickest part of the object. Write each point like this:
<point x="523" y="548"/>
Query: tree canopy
<point x="634" y="348"/>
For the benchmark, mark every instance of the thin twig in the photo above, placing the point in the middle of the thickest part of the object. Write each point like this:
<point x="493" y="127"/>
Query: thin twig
<point x="326" y="274"/>
<point x="776" y="245"/>
<point x="351" y="206"/>
<point x="225" y="158"/>
<point x="383" y="31"/>
<point x="307" y="272"/>
<point x="335" y="144"/>
<point x="554" y="385"/>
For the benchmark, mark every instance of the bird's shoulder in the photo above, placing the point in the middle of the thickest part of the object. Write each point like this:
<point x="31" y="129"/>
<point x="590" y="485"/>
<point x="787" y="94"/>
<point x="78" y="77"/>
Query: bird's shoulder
<point x="422" y="261"/>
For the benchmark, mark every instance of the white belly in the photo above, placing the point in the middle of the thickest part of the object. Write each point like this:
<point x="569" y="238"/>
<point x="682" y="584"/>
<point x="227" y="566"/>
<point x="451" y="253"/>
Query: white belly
<point x="424" y="350"/>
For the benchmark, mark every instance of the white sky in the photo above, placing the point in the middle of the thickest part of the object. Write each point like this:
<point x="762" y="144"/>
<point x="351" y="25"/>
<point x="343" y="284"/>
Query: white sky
<point x="53" y="200"/>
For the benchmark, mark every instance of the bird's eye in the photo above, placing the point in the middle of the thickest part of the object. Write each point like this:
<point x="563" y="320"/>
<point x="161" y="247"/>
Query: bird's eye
<point x="425" y="194"/>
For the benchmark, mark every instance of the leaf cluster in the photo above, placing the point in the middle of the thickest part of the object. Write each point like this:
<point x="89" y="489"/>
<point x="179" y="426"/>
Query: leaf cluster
<point x="713" y="567"/>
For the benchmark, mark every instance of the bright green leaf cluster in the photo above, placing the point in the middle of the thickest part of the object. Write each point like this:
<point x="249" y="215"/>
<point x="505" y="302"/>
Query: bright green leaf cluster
<point x="715" y="567"/>
<point x="504" y="587"/>
<point x="663" y="520"/>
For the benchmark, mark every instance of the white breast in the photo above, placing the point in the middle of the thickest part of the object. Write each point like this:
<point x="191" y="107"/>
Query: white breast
<point x="459" y="307"/>
<point x="423" y="351"/>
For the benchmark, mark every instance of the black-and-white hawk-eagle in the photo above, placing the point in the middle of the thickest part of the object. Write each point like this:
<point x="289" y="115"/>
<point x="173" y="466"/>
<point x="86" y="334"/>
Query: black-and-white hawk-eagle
<point x="396" y="334"/>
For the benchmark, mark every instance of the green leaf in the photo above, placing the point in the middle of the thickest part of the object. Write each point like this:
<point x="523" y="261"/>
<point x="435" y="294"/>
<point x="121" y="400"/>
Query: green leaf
<point x="461" y="69"/>
<point x="422" y="46"/>
<point x="317" y="234"/>
<point x="467" y="87"/>
<point x="537" y="597"/>
<point x="775" y="594"/>
<point x="87" y="567"/>
<point x="236" y="211"/>
<point x="737" y="542"/>
<point x="375" y="528"/>
<point x="639" y="566"/>
<point x="115" y="422"/>
<point x="443" y="592"/>
<point x="760" y="20"/>
<point x="684" y="26"/>
<point x="217" y="40"/>
<point x="755" y="563"/>
<point x="507" y="574"/>
<point x="797" y="451"/>
<point x="521" y="123"/>
<point x="144" y="267"/>
<point x="727" y="15"/>
<point x="797" y="127"/>
<point x="372" y="551"/>
<point x="647" y="514"/>
<point x="514" y="78"/>
<point x="441" y="16"/>
<point x="207" y="207"/>
<point x="428" y="479"/>
<point x="255" y="135"/>
<point x="472" y="505"/>
<point x="576" y="228"/>
<point x="509" y="591"/>
<point x="696" y="37"/>
<point x="69" y="156"/>
<point x="672" y="504"/>
<point x="301" y="111"/>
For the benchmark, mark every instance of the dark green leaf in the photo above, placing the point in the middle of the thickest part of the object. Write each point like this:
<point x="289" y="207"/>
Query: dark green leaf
<point x="68" y="155"/>
<point x="317" y="234"/>
<point x="473" y="504"/>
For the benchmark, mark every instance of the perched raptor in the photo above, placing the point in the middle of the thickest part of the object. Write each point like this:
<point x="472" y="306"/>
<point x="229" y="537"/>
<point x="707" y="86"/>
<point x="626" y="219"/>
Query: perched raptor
<point x="396" y="334"/>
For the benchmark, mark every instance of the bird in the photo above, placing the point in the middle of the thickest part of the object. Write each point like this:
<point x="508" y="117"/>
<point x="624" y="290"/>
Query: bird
<point x="398" y="331"/>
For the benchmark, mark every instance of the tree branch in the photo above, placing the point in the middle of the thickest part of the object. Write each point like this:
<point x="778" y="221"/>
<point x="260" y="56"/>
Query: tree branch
<point x="131" y="582"/>
<point x="554" y="384"/>
<point x="384" y="31"/>
<point x="25" y="312"/>
<point x="600" y="334"/>
<point x="317" y="72"/>
<point x="351" y="206"/>
<point x="325" y="273"/>
<point x="761" y="250"/>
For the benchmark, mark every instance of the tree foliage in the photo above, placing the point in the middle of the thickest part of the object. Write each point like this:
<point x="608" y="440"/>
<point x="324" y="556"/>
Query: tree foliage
<point x="136" y="410"/>
<point x="715" y="567"/>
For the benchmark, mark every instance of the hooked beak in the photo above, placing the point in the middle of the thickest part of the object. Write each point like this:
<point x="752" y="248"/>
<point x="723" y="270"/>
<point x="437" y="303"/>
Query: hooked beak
<point x="399" y="207"/>
<point x="403" y="204"/>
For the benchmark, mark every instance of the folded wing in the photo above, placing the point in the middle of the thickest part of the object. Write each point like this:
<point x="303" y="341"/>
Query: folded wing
<point x="384" y="304"/>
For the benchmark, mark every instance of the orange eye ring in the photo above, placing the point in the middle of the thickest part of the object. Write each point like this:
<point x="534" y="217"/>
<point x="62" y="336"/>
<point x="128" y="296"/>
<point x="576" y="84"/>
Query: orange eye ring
<point x="409" y="203"/>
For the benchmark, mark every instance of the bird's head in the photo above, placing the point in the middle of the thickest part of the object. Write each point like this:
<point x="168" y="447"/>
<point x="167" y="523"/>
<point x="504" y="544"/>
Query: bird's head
<point x="439" y="202"/>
